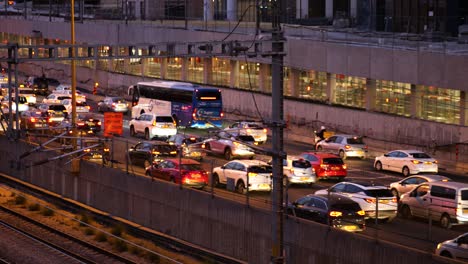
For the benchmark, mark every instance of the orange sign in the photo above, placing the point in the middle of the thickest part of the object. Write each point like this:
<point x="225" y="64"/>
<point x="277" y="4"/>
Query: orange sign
<point x="113" y="124"/>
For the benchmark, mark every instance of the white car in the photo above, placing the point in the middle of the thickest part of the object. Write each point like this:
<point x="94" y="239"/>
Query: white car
<point x="456" y="248"/>
<point x="244" y="175"/>
<point x="344" y="145"/>
<point x="29" y="94"/>
<point x="249" y="128"/>
<point x="366" y="195"/>
<point x="81" y="107"/>
<point x="22" y="104"/>
<point x="229" y="146"/>
<point x="406" y="162"/>
<point x="297" y="170"/>
<point x="80" y="97"/>
<point x="153" y="126"/>
<point x="407" y="184"/>
<point x="55" y="98"/>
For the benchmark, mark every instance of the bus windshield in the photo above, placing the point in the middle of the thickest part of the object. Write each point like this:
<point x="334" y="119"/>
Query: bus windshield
<point x="189" y="104"/>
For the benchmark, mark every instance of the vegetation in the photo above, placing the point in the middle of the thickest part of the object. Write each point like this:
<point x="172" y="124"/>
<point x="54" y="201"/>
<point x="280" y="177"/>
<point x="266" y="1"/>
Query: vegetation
<point x="34" y="207"/>
<point x="47" y="211"/>
<point x="20" y="200"/>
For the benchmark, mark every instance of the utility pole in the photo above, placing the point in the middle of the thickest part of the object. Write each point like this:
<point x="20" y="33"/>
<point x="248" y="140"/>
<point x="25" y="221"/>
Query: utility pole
<point x="277" y="134"/>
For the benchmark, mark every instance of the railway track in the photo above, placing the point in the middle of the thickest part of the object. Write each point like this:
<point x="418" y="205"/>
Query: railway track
<point x="59" y="244"/>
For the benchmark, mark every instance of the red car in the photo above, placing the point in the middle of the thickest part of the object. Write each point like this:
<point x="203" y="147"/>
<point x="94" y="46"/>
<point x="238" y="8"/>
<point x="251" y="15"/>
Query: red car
<point x="187" y="171"/>
<point x="326" y="165"/>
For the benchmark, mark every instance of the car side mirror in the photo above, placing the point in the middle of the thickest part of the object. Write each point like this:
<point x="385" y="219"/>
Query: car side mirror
<point x="385" y="155"/>
<point x="222" y="167"/>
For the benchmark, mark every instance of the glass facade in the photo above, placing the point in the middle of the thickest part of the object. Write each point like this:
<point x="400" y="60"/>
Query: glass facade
<point x="350" y="91"/>
<point x="393" y="97"/>
<point x="174" y="69"/>
<point x="153" y="67"/>
<point x="248" y="75"/>
<point x="195" y="70"/>
<point x="312" y="85"/>
<point x="221" y="72"/>
<point x="404" y="99"/>
<point x="438" y="104"/>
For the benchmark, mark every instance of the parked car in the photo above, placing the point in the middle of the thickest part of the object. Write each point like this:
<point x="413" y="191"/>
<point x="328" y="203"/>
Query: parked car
<point x="230" y="146"/>
<point x="244" y="175"/>
<point x="33" y="119"/>
<point x="153" y="126"/>
<point x="297" y="170"/>
<point x="55" y="98"/>
<point x="456" y="248"/>
<point x="445" y="202"/>
<point x="249" y="128"/>
<point x="335" y="210"/>
<point x="326" y="165"/>
<point x="367" y="195"/>
<point x="113" y="104"/>
<point x="145" y="153"/>
<point x="81" y="107"/>
<point x="192" y="146"/>
<point x="183" y="171"/>
<point x="344" y="145"/>
<point x="406" y="162"/>
<point x="407" y="184"/>
<point x="79" y="96"/>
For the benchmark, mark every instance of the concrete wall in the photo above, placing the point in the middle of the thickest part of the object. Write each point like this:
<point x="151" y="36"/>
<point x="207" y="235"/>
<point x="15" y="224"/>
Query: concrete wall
<point x="220" y="225"/>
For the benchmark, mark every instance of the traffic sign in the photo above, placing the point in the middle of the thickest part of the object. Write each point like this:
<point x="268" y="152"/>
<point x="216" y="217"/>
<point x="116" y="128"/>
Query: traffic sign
<point x="113" y="124"/>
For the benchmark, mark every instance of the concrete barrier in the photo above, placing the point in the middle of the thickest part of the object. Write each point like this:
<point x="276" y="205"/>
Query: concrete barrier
<point x="194" y="216"/>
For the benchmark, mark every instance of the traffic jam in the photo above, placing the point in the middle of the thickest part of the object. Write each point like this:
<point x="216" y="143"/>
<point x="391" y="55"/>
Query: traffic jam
<point x="178" y="132"/>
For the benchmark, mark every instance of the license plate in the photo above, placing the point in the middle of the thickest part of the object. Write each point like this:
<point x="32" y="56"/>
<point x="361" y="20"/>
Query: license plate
<point x="165" y="126"/>
<point x="465" y="210"/>
<point x="195" y="176"/>
<point x="264" y="186"/>
<point x="350" y="228"/>
<point x="384" y="201"/>
<point x="335" y="168"/>
<point x="304" y="178"/>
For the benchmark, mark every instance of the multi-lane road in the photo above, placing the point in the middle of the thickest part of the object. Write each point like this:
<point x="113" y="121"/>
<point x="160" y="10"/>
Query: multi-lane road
<point x="419" y="234"/>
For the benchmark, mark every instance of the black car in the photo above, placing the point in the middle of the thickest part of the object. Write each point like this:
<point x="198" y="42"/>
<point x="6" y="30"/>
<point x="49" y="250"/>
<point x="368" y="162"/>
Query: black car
<point x="88" y="124"/>
<point x="40" y="85"/>
<point x="192" y="146"/>
<point x="146" y="153"/>
<point x="335" y="210"/>
<point x="94" y="150"/>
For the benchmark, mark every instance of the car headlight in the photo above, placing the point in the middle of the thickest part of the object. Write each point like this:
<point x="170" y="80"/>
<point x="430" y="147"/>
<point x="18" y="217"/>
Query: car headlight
<point x="439" y="245"/>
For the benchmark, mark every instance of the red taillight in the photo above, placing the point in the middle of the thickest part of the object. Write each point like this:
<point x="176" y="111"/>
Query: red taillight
<point x="99" y="123"/>
<point x="394" y="200"/>
<point x="415" y="161"/>
<point x="370" y="200"/>
<point x="365" y="147"/>
<point x="344" y="166"/>
<point x="88" y="107"/>
<point x="33" y="120"/>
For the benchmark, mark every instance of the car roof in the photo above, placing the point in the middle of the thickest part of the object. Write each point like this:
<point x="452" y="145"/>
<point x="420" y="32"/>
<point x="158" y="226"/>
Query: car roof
<point x="433" y="177"/>
<point x="184" y="161"/>
<point x="367" y="185"/>
<point x="251" y="162"/>
<point x="457" y="185"/>
<point x="322" y="154"/>
<point x="408" y="150"/>
<point x="346" y="135"/>
<point x="333" y="198"/>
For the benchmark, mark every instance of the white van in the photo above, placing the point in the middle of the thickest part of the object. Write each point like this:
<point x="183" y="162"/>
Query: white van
<point x="446" y="202"/>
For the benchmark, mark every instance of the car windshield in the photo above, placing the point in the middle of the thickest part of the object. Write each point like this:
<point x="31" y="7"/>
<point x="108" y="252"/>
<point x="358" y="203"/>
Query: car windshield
<point x="246" y="138"/>
<point x="420" y="155"/>
<point x="164" y="119"/>
<point x="379" y="193"/>
<point x="118" y="100"/>
<point x="346" y="207"/>
<point x="261" y="169"/>
<point x="337" y="161"/>
<point x="355" y="140"/>
<point x="303" y="164"/>
<point x="190" y="167"/>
